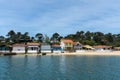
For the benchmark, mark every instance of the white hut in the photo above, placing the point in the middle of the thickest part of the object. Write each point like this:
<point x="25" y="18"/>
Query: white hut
<point x="33" y="47"/>
<point x="18" y="48"/>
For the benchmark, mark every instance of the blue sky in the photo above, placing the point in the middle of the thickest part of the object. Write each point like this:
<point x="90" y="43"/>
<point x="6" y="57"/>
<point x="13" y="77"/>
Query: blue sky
<point x="62" y="16"/>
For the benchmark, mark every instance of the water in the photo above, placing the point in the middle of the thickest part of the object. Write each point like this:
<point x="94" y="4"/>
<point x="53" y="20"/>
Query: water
<point x="59" y="68"/>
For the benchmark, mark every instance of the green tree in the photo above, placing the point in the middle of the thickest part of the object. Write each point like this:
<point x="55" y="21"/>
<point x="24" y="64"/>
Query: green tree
<point x="24" y="38"/>
<point x="55" y="38"/>
<point x="2" y="40"/>
<point x="116" y="40"/>
<point x="98" y="37"/>
<point x="11" y="36"/>
<point x="39" y="36"/>
<point x="46" y="39"/>
<point x="32" y="39"/>
<point x="109" y="38"/>
<point x="88" y="35"/>
<point x="18" y="36"/>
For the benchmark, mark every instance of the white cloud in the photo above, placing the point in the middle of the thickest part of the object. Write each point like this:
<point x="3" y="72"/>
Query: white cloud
<point x="61" y="16"/>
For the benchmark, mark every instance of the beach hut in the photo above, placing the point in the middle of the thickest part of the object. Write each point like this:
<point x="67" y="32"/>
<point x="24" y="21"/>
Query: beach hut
<point x="56" y="48"/>
<point x="18" y="48"/>
<point x="46" y="48"/>
<point x="77" y="46"/>
<point x="32" y="47"/>
<point x="88" y="47"/>
<point x="66" y="44"/>
<point x="102" y="48"/>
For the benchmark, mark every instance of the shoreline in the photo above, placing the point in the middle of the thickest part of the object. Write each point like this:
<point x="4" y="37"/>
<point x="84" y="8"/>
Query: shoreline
<point x="86" y="53"/>
<point x="91" y="53"/>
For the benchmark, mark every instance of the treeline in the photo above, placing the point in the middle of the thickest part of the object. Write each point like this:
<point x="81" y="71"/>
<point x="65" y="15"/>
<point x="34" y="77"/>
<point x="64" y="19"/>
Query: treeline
<point x="95" y="38"/>
<point x="89" y="38"/>
<point x="13" y="37"/>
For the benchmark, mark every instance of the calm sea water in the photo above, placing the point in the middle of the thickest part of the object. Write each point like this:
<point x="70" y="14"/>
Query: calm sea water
<point x="59" y="68"/>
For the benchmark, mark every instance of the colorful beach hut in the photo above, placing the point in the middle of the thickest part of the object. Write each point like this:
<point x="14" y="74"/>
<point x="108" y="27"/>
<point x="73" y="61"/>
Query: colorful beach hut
<point x="33" y="47"/>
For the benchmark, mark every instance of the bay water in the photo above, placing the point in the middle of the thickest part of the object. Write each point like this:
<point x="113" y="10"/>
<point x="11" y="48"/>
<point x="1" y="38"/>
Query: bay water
<point x="60" y="67"/>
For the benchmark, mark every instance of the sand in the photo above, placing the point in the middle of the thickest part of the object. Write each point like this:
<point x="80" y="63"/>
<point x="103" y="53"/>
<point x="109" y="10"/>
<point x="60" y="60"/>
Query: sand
<point x="86" y="53"/>
<point x="100" y="53"/>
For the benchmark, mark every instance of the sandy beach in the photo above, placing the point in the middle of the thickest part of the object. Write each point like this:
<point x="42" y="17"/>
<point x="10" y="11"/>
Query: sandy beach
<point x="86" y="53"/>
<point x="113" y="53"/>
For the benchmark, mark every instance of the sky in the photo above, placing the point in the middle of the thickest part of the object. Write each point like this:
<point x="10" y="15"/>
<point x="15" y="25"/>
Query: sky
<point x="61" y="16"/>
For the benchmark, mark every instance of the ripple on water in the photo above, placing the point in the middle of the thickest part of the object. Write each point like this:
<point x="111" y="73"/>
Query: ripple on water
<point x="59" y="68"/>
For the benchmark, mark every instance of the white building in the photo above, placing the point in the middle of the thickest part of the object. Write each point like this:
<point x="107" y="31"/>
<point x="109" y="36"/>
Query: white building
<point x="33" y="47"/>
<point x="18" y="48"/>
<point x="45" y="48"/>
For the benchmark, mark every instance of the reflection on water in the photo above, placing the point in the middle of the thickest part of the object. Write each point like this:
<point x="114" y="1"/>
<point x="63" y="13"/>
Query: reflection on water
<point x="59" y="68"/>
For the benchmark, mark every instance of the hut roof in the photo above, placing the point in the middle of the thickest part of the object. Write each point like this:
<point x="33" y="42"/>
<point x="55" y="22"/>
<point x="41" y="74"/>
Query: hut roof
<point x="102" y="46"/>
<point x="32" y="44"/>
<point x="88" y="46"/>
<point x="67" y="41"/>
<point x="77" y="43"/>
<point x="14" y="45"/>
<point x="56" y="45"/>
